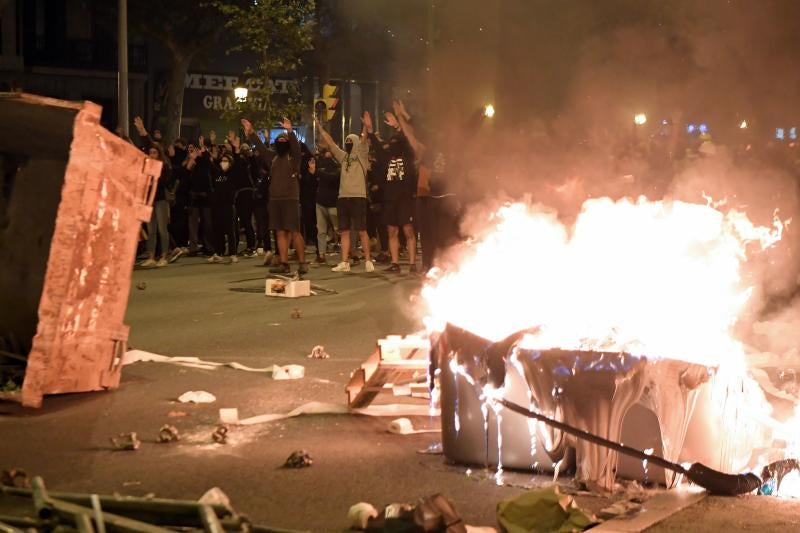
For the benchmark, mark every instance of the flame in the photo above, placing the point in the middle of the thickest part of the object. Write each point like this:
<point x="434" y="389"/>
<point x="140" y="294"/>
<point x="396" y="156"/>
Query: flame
<point x="656" y="278"/>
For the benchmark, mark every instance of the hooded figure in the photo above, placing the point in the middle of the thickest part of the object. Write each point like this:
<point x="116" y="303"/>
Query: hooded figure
<point x="354" y="162"/>
<point x="222" y="207"/>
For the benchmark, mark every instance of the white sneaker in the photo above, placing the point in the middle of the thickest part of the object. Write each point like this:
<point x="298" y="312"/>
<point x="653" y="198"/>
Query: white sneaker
<point x="148" y="263"/>
<point x="162" y="262"/>
<point x="369" y="266"/>
<point x="341" y="267"/>
<point x="215" y="259"/>
<point x="259" y="251"/>
<point x="234" y="259"/>
<point x="268" y="257"/>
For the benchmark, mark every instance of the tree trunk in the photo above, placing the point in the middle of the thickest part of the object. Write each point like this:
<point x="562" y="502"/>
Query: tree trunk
<point x="175" y="87"/>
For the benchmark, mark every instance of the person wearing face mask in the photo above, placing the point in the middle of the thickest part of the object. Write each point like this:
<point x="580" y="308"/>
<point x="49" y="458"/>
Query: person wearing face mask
<point x="351" y="206"/>
<point x="399" y="192"/>
<point x="284" y="192"/>
<point x="224" y="181"/>
<point x="157" y="234"/>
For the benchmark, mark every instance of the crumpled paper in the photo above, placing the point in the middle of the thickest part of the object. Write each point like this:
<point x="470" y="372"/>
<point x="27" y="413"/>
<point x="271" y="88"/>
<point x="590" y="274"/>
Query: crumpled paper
<point x="197" y="396"/>
<point x="543" y="511"/>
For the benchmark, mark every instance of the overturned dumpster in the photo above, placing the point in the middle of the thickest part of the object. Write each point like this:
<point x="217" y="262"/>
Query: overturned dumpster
<point x="72" y="198"/>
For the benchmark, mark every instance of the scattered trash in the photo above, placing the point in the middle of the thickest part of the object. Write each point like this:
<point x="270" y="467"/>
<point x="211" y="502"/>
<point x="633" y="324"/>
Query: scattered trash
<point x="176" y="414"/>
<point x="323" y="408"/>
<point x="125" y="441"/>
<point x="15" y="477"/>
<point x="131" y="483"/>
<point x="142" y="285"/>
<point x="288" y="289"/>
<point x="220" y="434"/>
<point x="434" y="448"/>
<point x="620" y="509"/>
<point x="359" y="515"/>
<point x="296" y="313"/>
<point x="403" y="426"/>
<point x="318" y="352"/>
<point x="215" y="496"/>
<point x="167" y="433"/>
<point x="136" y="356"/>
<point x="772" y="475"/>
<point x="435" y="513"/>
<point x="229" y="416"/>
<point x="288" y="372"/>
<point x="543" y="511"/>
<point x="199" y="396"/>
<point x="298" y="459"/>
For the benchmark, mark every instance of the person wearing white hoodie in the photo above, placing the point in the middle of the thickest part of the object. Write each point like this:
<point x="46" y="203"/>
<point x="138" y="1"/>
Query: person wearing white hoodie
<point x="352" y="203"/>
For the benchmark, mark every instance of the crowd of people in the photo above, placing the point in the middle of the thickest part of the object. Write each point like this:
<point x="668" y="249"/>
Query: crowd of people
<point x="371" y="199"/>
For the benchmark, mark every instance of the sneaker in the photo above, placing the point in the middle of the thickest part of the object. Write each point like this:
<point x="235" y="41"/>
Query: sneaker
<point x="234" y="259"/>
<point x="176" y="253"/>
<point x="214" y="259"/>
<point x="147" y="263"/>
<point x="249" y="253"/>
<point x="162" y="262"/>
<point x="259" y="251"/>
<point x="321" y="260"/>
<point x="302" y="268"/>
<point x="369" y="266"/>
<point x="341" y="267"/>
<point x="282" y="268"/>
<point x="394" y="268"/>
<point x="268" y="257"/>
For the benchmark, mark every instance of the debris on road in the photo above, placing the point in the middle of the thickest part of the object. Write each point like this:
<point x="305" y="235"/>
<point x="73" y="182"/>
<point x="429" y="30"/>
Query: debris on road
<point x="67" y="511"/>
<point x="542" y="511"/>
<point x="434" y="448"/>
<point x="220" y="435"/>
<point x="318" y="352"/>
<point x="136" y="356"/>
<point x="288" y="372"/>
<point x="142" y="285"/>
<point x="772" y="475"/>
<point x="298" y="459"/>
<point x="622" y="508"/>
<point x="403" y="426"/>
<point x="229" y="415"/>
<point x="359" y="515"/>
<point x="288" y="289"/>
<point x="125" y="442"/>
<point x="15" y="477"/>
<point x="199" y="396"/>
<point x="176" y="414"/>
<point x="296" y="313"/>
<point x="323" y="408"/>
<point x="168" y="433"/>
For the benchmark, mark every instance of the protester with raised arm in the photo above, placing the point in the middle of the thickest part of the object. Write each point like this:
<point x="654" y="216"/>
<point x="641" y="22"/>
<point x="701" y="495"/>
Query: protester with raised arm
<point x="351" y="205"/>
<point x="284" y="192"/>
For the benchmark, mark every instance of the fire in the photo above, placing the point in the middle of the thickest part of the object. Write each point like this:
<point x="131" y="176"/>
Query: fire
<point x="655" y="278"/>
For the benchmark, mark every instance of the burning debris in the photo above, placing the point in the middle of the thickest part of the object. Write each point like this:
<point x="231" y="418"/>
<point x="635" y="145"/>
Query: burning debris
<point x="582" y="339"/>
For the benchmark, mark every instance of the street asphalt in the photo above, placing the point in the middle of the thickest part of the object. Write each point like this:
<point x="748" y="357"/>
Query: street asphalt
<point x="220" y="313"/>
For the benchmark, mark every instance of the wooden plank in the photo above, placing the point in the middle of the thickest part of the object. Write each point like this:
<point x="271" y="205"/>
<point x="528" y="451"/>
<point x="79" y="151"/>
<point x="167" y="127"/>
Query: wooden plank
<point x="654" y="511"/>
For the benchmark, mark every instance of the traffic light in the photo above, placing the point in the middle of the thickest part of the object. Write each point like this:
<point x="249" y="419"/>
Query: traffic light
<point x="325" y="107"/>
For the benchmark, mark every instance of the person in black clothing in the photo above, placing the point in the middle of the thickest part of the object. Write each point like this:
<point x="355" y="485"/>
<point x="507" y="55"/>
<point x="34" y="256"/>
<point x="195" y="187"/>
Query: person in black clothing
<point x="308" y="205"/>
<point x="157" y="234"/>
<point x="179" y="201"/>
<point x="328" y="174"/>
<point x="225" y="176"/>
<point x="243" y="195"/>
<point x="399" y="193"/>
<point x="260" y="178"/>
<point x="198" y="167"/>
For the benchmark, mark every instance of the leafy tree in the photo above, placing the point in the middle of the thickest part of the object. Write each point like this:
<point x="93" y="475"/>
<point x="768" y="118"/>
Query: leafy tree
<point x="185" y="28"/>
<point x="277" y="33"/>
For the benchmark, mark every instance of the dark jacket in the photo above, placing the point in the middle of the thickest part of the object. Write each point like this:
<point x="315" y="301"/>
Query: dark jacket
<point x="284" y="171"/>
<point x="397" y="157"/>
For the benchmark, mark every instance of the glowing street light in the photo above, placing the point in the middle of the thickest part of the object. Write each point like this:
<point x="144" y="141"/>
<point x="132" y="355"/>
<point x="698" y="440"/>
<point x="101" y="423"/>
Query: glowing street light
<point x="743" y="125"/>
<point x="639" y="119"/>
<point x="240" y="93"/>
<point x="488" y="110"/>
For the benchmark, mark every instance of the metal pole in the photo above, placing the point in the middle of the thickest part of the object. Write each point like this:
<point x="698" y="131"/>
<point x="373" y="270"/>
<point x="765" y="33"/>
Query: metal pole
<point x="122" y="77"/>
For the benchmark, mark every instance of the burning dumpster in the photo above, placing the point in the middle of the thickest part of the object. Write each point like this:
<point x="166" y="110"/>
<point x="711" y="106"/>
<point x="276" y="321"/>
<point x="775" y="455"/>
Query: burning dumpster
<point x="72" y="198"/>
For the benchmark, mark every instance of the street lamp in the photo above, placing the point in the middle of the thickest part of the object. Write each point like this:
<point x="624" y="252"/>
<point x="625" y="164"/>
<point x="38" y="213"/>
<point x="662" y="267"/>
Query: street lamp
<point x="743" y="125"/>
<point x="240" y="93"/>
<point x="639" y="119"/>
<point x="488" y="110"/>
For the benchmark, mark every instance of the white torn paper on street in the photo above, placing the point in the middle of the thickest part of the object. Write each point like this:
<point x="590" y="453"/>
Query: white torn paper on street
<point x="197" y="396"/>
<point x="288" y="372"/>
<point x="322" y="408"/>
<point x="403" y="426"/>
<point x="137" y="356"/>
